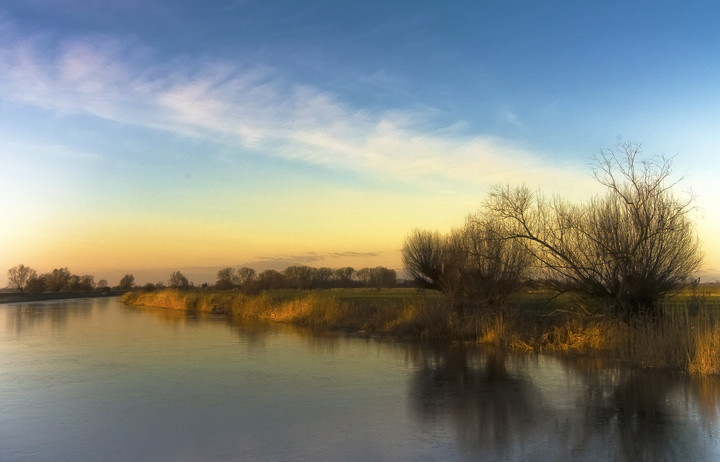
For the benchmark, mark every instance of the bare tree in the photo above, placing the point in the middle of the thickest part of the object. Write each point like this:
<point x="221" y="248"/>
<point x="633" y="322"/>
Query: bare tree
<point x="474" y="262"/>
<point x="494" y="267"/>
<point x="178" y="281"/>
<point x="422" y="257"/>
<point x="300" y="277"/>
<point x="36" y="284"/>
<point x="271" y="279"/>
<point x="127" y="282"/>
<point x="322" y="277"/>
<point x="377" y="277"/>
<point x="58" y="279"/>
<point x="87" y="282"/>
<point x="19" y="275"/>
<point x="344" y="276"/>
<point x="455" y="259"/>
<point x="245" y="275"/>
<point x="629" y="248"/>
<point x="226" y="278"/>
<point x="80" y="283"/>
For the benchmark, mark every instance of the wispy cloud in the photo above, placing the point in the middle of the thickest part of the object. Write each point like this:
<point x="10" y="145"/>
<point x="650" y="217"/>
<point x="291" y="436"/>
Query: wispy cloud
<point x="508" y="115"/>
<point x="310" y="257"/>
<point x="314" y="257"/>
<point x="253" y="107"/>
<point x="353" y="254"/>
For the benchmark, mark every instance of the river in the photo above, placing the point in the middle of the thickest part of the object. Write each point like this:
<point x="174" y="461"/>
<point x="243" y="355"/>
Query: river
<point x="93" y="379"/>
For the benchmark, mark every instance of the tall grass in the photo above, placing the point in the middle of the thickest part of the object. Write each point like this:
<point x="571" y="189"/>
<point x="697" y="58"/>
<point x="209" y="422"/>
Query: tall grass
<point x="686" y="338"/>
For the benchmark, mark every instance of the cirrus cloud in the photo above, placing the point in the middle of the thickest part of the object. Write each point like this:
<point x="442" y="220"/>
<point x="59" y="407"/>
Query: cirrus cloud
<point x="255" y="108"/>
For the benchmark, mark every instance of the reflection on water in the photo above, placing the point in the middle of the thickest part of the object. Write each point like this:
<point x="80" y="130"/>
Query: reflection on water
<point x="28" y="315"/>
<point x="94" y="379"/>
<point x="490" y="409"/>
<point x="513" y="407"/>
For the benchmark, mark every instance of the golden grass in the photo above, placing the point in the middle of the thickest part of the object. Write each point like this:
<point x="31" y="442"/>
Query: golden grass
<point x="678" y="340"/>
<point x="704" y="348"/>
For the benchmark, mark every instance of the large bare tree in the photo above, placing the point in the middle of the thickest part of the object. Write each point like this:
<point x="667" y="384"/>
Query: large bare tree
<point x="475" y="262"/>
<point x="19" y="275"/>
<point x="422" y="257"/>
<point x="494" y="267"/>
<point x="629" y="247"/>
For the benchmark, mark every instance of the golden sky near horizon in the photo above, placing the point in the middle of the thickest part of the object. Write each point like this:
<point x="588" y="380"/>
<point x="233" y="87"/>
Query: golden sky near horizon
<point x="148" y="137"/>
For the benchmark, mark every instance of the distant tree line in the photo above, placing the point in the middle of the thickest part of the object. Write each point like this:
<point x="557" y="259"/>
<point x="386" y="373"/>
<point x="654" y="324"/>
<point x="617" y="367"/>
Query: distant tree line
<point x="22" y="278"/>
<point x="625" y="249"/>
<point x="25" y="279"/>
<point x="305" y="278"/>
<point x="300" y="277"/>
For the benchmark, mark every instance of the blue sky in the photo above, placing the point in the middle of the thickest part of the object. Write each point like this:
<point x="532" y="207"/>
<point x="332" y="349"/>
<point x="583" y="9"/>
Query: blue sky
<point x="151" y="136"/>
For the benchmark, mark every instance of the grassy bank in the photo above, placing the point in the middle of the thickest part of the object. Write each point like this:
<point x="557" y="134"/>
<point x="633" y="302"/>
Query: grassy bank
<point x="687" y="338"/>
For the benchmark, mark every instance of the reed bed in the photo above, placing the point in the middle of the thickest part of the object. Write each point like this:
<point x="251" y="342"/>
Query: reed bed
<point x="686" y="338"/>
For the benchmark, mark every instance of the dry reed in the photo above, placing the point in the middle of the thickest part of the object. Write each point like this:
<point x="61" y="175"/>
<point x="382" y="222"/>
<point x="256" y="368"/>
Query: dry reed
<point x="678" y="340"/>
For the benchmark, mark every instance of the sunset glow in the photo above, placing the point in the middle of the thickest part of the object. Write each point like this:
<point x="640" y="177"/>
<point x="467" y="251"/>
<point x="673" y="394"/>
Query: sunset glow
<point x="146" y="137"/>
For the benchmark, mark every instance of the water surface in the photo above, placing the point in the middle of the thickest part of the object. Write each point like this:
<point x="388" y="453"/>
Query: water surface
<point x="93" y="379"/>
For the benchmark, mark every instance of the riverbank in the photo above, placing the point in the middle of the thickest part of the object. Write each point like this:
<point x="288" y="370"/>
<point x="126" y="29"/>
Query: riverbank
<point x="18" y="297"/>
<point x="678" y="341"/>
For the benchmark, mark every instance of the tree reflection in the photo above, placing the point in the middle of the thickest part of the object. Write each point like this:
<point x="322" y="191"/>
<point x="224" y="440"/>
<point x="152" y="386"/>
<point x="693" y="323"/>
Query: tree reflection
<point x="491" y="409"/>
<point x="648" y="414"/>
<point x="707" y="394"/>
<point x="509" y="407"/>
<point x="24" y="317"/>
<point x="643" y="418"/>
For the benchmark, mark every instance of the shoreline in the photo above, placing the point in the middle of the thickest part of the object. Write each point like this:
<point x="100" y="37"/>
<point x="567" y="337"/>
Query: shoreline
<point x="19" y="297"/>
<point x="683" y="342"/>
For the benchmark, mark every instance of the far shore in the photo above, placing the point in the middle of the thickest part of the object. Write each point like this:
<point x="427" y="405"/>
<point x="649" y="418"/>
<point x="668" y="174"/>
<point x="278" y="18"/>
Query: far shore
<point x="20" y="297"/>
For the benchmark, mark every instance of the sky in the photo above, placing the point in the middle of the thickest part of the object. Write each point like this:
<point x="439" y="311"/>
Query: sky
<point x="151" y="136"/>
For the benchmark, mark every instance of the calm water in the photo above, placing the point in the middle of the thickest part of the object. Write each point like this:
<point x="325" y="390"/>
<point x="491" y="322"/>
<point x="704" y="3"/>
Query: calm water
<point x="95" y="380"/>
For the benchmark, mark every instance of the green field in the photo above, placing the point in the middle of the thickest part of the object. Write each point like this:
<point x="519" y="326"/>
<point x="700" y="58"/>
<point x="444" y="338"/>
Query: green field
<point x="362" y="295"/>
